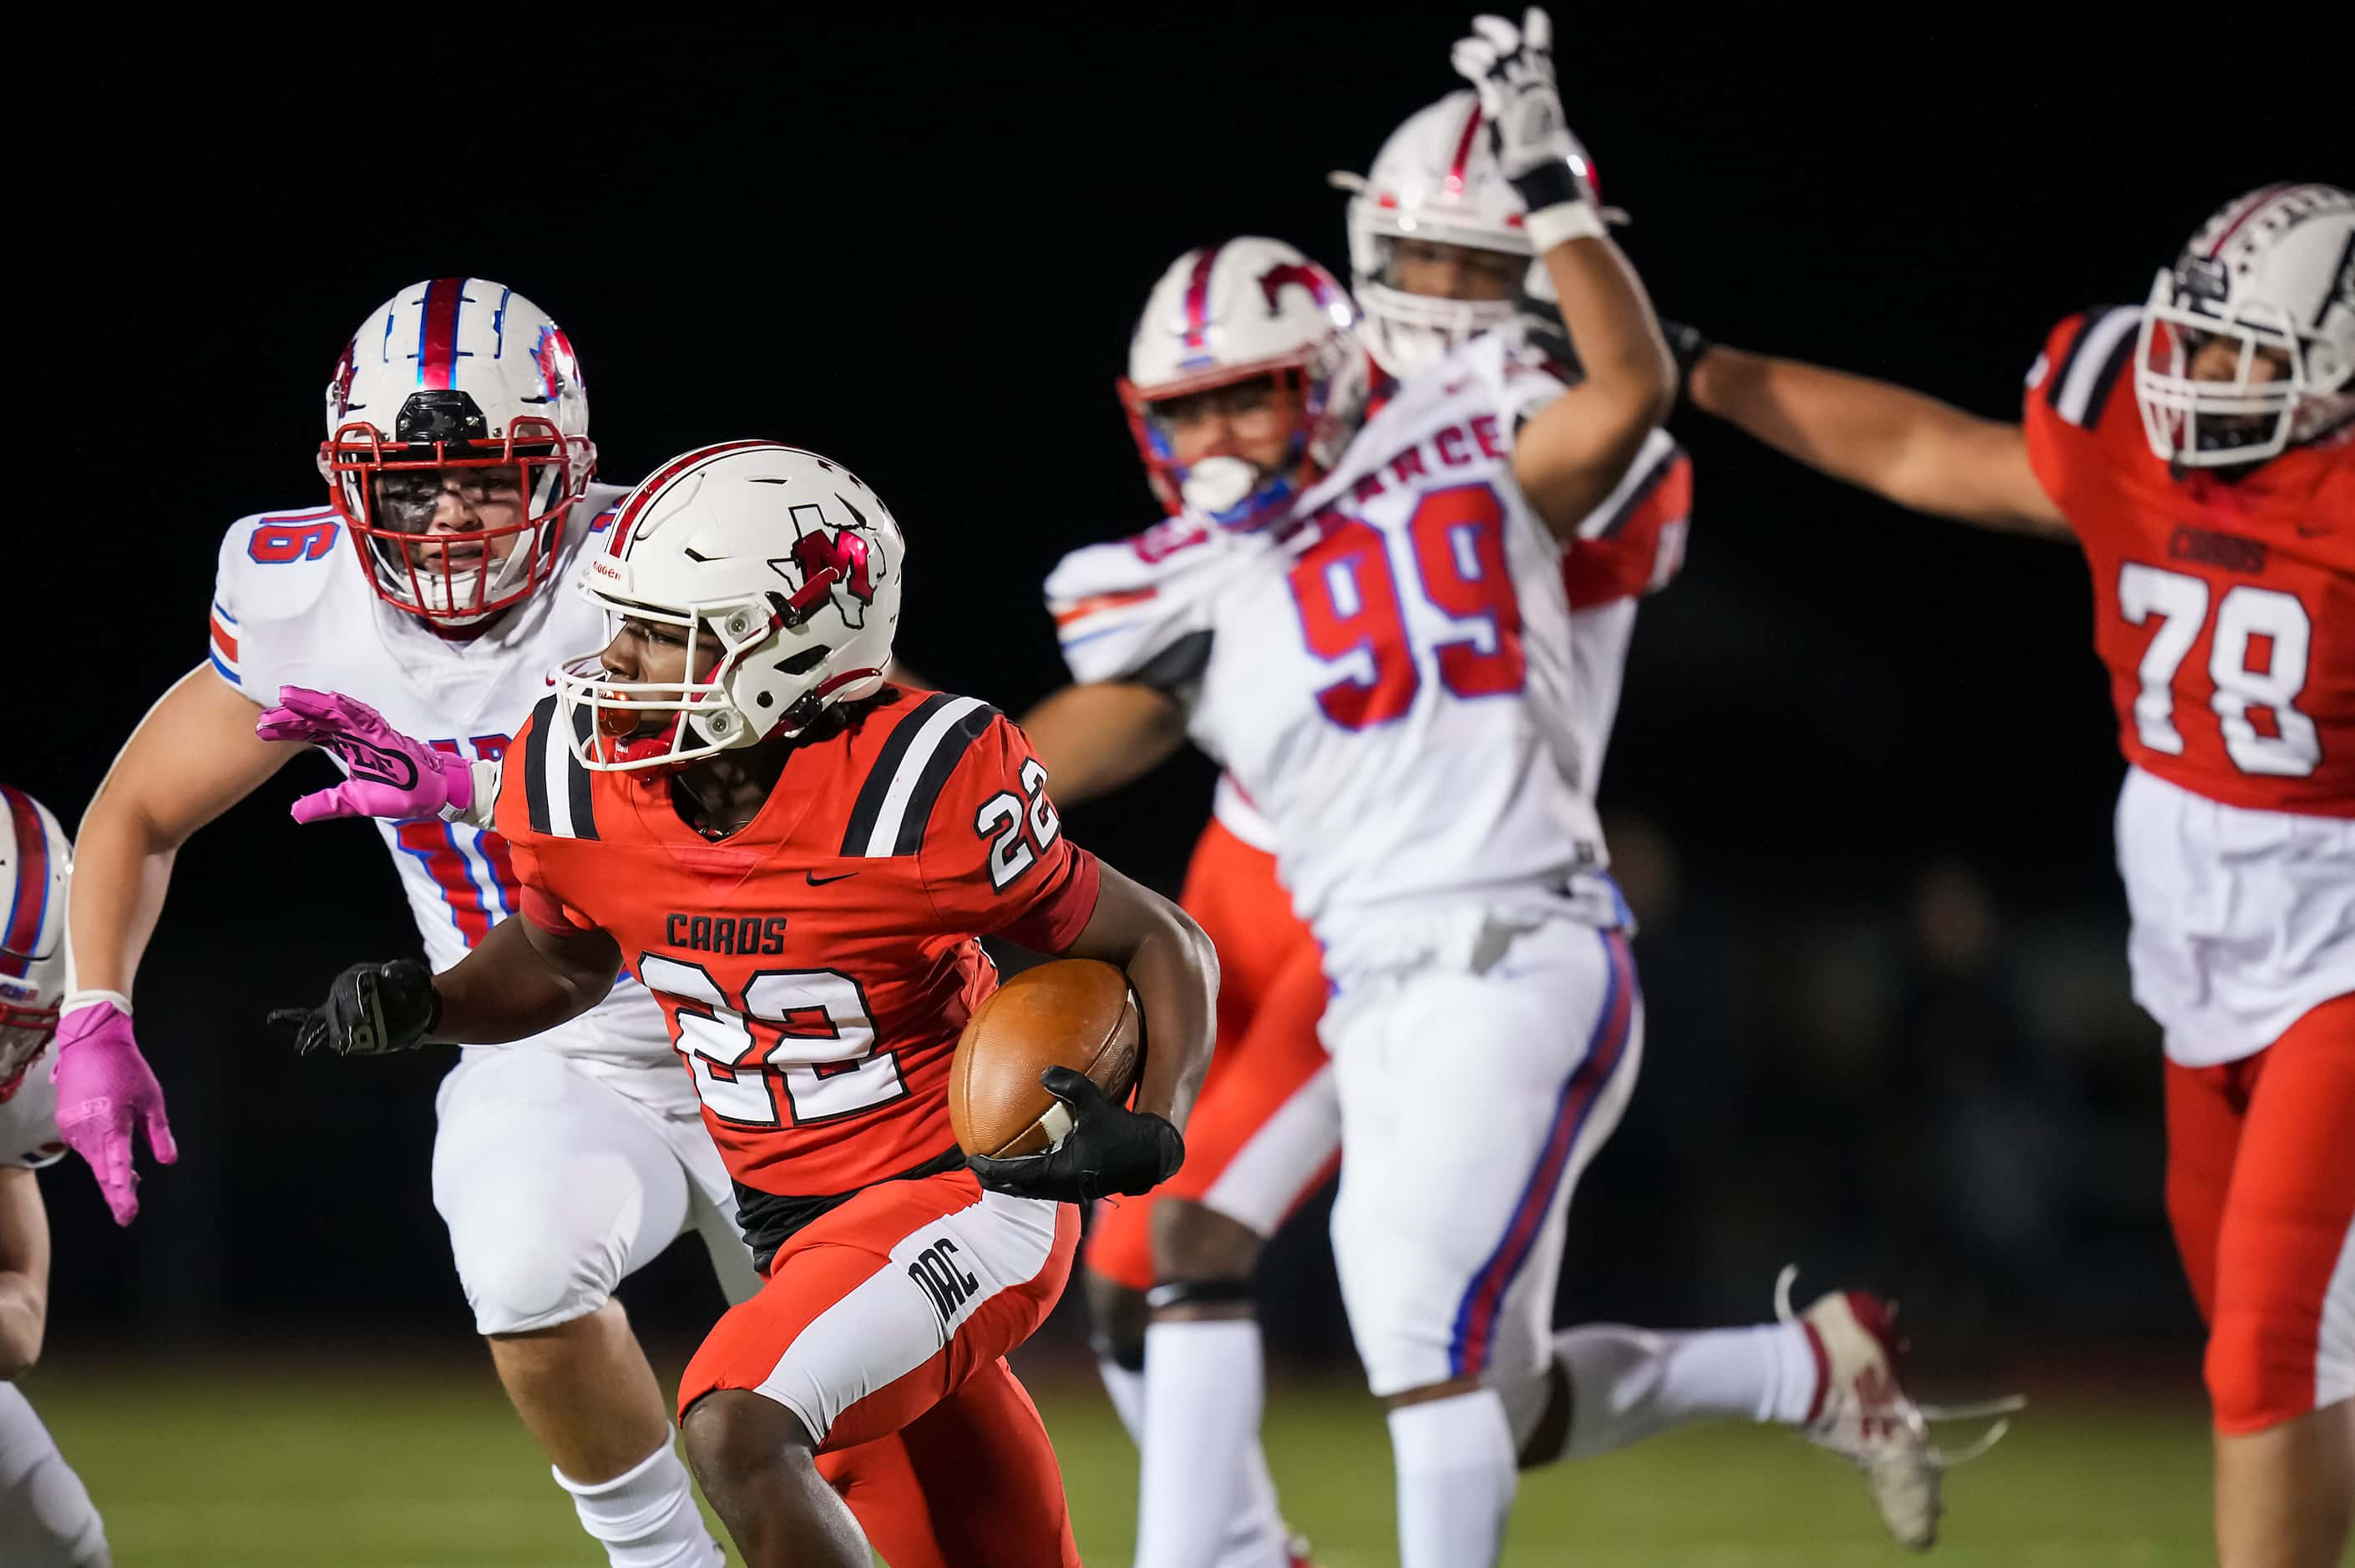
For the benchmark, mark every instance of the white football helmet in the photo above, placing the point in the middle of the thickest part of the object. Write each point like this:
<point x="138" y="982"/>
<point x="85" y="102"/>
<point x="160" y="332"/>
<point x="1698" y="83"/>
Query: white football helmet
<point x="464" y="374"/>
<point x="1225" y="314"/>
<point x="782" y="568"/>
<point x="1437" y="178"/>
<point x="35" y="858"/>
<point x="2273" y="270"/>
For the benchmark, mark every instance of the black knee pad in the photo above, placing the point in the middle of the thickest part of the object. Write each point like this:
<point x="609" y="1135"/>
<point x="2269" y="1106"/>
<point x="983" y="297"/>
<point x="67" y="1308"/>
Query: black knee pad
<point x="1200" y="1293"/>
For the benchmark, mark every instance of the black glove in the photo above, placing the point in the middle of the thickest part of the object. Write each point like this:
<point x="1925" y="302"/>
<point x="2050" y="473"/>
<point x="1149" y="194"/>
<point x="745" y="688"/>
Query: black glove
<point x="371" y="1009"/>
<point x="1686" y="345"/>
<point x="1109" y="1150"/>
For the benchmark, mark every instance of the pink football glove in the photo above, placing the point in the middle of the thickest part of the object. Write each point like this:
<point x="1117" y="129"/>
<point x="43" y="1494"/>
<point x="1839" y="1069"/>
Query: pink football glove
<point x="391" y="775"/>
<point x="103" y="1086"/>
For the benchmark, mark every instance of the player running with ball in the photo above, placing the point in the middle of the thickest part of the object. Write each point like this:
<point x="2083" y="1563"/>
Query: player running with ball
<point x="797" y="860"/>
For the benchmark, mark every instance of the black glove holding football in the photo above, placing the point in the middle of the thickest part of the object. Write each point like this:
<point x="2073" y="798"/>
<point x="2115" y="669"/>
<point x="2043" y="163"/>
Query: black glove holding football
<point x="1110" y="1150"/>
<point x="371" y="1010"/>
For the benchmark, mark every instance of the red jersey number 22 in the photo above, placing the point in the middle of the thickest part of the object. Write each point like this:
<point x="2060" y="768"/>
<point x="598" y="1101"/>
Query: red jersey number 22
<point x="797" y="1048"/>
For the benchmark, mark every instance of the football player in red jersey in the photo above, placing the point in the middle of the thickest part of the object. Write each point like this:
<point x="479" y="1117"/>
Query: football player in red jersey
<point x="797" y="860"/>
<point x="2200" y="452"/>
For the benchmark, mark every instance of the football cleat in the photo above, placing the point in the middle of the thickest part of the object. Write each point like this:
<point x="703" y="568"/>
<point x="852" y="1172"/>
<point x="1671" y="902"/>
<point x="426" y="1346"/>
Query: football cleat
<point x="1862" y="1413"/>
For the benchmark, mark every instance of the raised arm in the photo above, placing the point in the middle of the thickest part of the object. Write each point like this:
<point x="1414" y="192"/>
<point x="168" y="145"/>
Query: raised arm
<point x="1899" y="444"/>
<point x="1096" y="736"/>
<point x="1573" y="452"/>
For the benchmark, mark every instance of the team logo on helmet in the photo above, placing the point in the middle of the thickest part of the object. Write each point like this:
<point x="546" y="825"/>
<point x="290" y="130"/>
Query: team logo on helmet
<point x="339" y="385"/>
<point x="1286" y="274"/>
<point x="558" y="369"/>
<point x="830" y="558"/>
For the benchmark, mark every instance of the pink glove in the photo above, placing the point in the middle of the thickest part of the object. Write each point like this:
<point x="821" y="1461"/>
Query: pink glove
<point x="391" y="775"/>
<point x="104" y="1085"/>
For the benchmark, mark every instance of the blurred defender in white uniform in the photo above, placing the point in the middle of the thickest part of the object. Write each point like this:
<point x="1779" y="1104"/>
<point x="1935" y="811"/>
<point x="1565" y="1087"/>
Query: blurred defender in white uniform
<point x="459" y="464"/>
<point x="46" y="1517"/>
<point x="1389" y="669"/>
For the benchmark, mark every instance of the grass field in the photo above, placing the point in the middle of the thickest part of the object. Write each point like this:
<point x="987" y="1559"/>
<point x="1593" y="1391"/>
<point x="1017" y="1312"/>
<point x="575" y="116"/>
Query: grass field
<point x="400" y="1468"/>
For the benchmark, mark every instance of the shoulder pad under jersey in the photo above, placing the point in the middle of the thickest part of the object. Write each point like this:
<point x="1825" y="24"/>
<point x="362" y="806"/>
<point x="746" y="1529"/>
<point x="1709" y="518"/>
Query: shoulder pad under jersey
<point x="1139" y="609"/>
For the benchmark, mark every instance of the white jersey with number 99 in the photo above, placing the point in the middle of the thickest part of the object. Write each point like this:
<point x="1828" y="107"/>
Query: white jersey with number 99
<point x="1392" y="683"/>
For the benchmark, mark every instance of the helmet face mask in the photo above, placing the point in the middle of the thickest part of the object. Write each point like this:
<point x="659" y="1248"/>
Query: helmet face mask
<point x="456" y="381"/>
<point x="776" y="576"/>
<point x="2264" y="293"/>
<point x="389" y="494"/>
<point x="627" y="731"/>
<point x="1437" y="180"/>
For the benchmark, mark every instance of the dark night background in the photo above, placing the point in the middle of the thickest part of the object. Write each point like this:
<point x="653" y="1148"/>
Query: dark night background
<point x="1862" y="774"/>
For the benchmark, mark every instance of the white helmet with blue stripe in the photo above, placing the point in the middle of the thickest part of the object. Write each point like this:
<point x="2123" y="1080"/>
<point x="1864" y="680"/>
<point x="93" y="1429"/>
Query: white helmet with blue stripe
<point x="35" y="858"/>
<point x="457" y="389"/>
<point x="1231" y="312"/>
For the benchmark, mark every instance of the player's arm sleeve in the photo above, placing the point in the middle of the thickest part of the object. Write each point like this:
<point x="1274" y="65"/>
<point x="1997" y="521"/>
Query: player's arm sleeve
<point x="225" y="631"/>
<point x="1137" y="611"/>
<point x="509" y="816"/>
<point x="1634" y="542"/>
<point x="993" y="859"/>
<point x="2069" y="388"/>
<point x="1530" y="369"/>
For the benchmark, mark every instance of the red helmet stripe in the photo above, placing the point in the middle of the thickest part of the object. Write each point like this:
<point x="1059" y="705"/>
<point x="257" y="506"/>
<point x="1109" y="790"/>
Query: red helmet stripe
<point x="1464" y="151"/>
<point x="1197" y="298"/>
<point x="617" y="545"/>
<point x="28" y="901"/>
<point x="2257" y="204"/>
<point x="437" y="333"/>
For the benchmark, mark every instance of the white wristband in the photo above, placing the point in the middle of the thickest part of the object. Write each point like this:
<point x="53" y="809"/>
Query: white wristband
<point x="78" y="1000"/>
<point x="1562" y="223"/>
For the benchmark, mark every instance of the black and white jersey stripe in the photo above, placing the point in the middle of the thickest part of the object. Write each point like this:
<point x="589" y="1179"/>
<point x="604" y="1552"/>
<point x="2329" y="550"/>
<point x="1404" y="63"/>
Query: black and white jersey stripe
<point x="2079" y="387"/>
<point x="896" y="801"/>
<point x="556" y="786"/>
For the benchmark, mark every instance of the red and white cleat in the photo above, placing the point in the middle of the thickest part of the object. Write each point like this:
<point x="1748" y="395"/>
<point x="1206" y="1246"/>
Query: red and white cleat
<point x="1296" y="1553"/>
<point x="1862" y="1413"/>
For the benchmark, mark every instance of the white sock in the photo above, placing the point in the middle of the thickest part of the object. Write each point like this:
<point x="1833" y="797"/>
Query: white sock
<point x="1204" y="1499"/>
<point x="46" y="1516"/>
<point x="1257" y="1538"/>
<point x="1455" y="1480"/>
<point x="1126" y="1390"/>
<point x="646" y="1517"/>
<point x="1629" y="1383"/>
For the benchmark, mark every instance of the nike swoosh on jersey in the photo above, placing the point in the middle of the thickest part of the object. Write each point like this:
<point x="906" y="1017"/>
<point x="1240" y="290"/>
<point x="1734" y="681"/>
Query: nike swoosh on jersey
<point x="814" y="880"/>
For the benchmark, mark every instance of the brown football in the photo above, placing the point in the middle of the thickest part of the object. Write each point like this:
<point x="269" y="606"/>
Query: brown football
<point x="1073" y="1012"/>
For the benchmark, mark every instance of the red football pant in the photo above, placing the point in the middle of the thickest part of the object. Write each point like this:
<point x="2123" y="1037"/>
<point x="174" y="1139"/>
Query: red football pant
<point x="1265" y="1132"/>
<point x="2261" y="1191"/>
<point x="883" y="1327"/>
<point x="968" y="1484"/>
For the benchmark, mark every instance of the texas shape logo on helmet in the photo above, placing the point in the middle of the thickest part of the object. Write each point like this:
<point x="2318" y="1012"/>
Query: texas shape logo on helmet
<point x="827" y="560"/>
